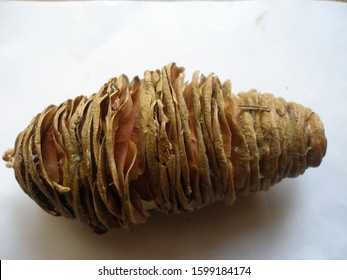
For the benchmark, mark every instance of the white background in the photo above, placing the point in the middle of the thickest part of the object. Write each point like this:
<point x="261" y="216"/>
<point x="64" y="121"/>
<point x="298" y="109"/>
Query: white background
<point x="50" y="52"/>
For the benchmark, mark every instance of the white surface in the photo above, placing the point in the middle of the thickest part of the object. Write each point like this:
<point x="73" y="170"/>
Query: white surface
<point x="51" y="52"/>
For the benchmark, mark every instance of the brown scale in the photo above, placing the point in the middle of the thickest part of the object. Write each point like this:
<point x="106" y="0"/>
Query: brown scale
<point x="161" y="143"/>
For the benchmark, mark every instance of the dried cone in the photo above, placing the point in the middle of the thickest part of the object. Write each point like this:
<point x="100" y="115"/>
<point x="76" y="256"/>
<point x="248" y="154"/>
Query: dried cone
<point x="161" y="143"/>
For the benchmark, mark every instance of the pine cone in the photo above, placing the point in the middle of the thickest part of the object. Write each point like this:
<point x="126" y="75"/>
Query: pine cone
<point x="161" y="143"/>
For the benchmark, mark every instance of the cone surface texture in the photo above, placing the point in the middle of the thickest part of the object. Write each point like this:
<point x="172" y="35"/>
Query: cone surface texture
<point x="161" y="143"/>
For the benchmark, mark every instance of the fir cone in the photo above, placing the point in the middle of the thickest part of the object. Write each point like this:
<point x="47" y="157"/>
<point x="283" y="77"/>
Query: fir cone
<point x="161" y="143"/>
